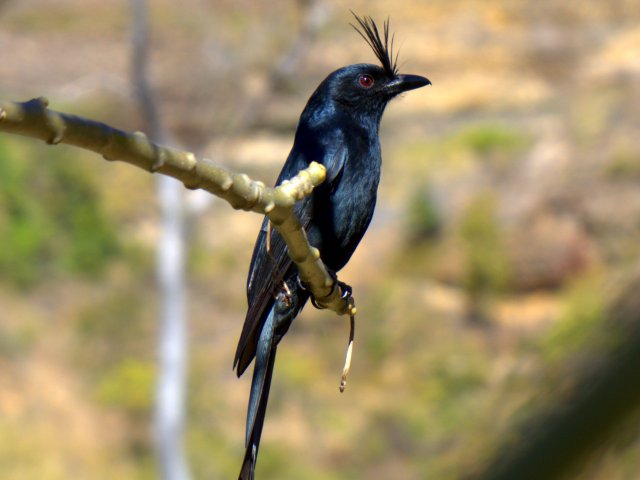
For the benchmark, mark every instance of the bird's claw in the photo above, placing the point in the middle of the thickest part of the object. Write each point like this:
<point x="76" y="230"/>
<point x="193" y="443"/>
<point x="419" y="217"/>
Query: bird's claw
<point x="346" y="289"/>
<point x="303" y="286"/>
<point x="316" y="304"/>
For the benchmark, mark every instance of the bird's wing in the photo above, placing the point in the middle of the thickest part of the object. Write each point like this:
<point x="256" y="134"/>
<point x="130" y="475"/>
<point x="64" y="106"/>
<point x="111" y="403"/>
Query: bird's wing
<point x="270" y="266"/>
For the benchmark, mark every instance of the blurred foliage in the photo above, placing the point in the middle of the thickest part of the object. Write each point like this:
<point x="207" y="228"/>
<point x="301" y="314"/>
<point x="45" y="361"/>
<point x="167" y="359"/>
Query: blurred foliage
<point x="489" y="139"/>
<point x="129" y="387"/>
<point x="424" y="223"/>
<point x="15" y="342"/>
<point x="582" y="315"/>
<point x="114" y="342"/>
<point x="487" y="267"/>
<point x="51" y="218"/>
<point x="113" y="327"/>
<point x="492" y="144"/>
<point x="624" y="165"/>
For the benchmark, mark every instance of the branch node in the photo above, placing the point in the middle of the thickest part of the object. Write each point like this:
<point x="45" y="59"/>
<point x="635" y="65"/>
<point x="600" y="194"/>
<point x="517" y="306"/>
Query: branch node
<point x="255" y="193"/>
<point x="56" y="125"/>
<point x="56" y="139"/>
<point x="159" y="161"/>
<point x="247" y="192"/>
<point x="191" y="159"/>
<point x="268" y="208"/>
<point x="105" y="151"/>
<point x="139" y="134"/>
<point x="193" y="181"/>
<point x="227" y="183"/>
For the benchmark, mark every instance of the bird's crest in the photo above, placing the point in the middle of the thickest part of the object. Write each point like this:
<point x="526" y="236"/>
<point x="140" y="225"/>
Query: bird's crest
<point x="382" y="47"/>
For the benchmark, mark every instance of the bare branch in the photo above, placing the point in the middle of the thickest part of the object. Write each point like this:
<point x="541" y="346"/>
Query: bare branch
<point x="34" y="119"/>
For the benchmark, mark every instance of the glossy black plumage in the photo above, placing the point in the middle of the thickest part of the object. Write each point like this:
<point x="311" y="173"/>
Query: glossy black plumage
<point x="338" y="128"/>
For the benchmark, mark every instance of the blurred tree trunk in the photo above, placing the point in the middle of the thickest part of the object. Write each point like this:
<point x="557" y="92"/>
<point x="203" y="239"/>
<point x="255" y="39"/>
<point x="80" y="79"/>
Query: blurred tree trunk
<point x="172" y="349"/>
<point x="578" y="422"/>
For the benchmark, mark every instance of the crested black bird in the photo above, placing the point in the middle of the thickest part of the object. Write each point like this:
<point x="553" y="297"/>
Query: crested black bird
<point x="338" y="128"/>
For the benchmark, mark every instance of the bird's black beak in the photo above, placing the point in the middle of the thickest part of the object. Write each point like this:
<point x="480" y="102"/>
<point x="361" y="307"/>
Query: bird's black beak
<point x="404" y="83"/>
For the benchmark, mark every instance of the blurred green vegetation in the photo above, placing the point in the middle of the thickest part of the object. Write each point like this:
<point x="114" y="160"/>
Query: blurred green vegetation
<point x="488" y="144"/>
<point x="15" y="342"/>
<point x="486" y="264"/>
<point x="580" y="320"/>
<point x="424" y="223"/>
<point x="489" y="139"/>
<point x="624" y="165"/>
<point x="129" y="387"/>
<point x="51" y="218"/>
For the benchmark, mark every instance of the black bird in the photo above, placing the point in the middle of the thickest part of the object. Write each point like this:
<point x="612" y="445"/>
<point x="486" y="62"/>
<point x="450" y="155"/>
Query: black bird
<point x="338" y="128"/>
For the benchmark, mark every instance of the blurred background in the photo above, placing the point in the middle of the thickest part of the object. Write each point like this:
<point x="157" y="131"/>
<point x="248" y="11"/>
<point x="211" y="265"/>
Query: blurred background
<point x="508" y="220"/>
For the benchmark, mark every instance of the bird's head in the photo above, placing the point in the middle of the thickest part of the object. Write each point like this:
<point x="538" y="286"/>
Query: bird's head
<point x="364" y="88"/>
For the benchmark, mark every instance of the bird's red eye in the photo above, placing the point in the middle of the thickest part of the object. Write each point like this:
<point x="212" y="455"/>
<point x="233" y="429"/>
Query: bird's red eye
<point x="366" y="81"/>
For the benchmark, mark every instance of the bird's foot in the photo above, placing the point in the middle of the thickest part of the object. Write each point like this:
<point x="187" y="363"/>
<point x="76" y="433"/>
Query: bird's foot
<point x="346" y="291"/>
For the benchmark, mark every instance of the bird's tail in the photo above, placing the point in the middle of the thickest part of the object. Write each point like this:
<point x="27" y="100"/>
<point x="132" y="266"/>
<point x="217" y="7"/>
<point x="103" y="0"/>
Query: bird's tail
<point x="260" y="383"/>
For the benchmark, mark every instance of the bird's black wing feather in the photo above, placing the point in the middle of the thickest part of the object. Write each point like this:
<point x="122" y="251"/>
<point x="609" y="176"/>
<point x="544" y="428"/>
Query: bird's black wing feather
<point x="269" y="269"/>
